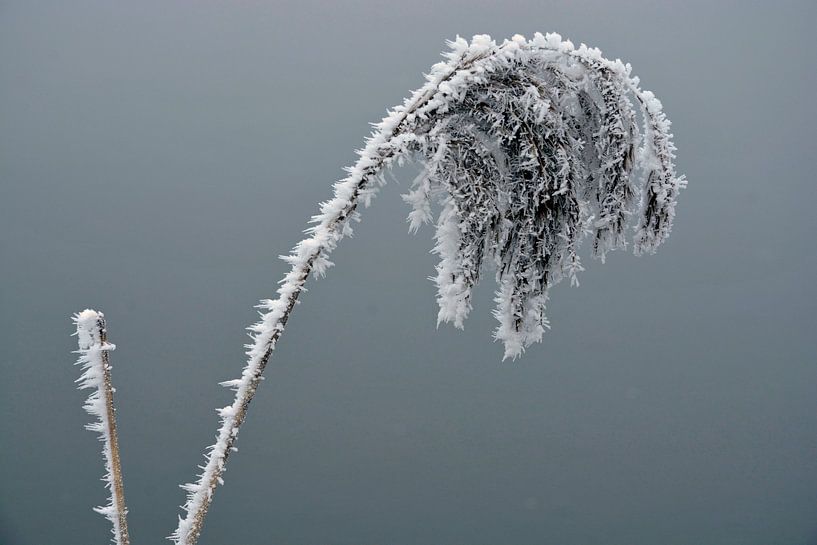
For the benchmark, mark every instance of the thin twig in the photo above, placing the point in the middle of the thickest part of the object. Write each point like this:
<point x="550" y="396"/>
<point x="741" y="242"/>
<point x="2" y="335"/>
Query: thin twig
<point x="94" y="357"/>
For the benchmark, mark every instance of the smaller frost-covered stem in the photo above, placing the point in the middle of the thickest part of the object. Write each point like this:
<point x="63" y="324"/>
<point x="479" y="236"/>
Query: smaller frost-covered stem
<point x="94" y="357"/>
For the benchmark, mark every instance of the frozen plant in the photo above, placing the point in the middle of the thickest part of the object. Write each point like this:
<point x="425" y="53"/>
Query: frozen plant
<point x="527" y="148"/>
<point x="96" y="375"/>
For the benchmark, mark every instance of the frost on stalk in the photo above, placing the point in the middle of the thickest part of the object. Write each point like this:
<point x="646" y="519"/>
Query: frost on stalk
<point x="528" y="146"/>
<point x="96" y="375"/>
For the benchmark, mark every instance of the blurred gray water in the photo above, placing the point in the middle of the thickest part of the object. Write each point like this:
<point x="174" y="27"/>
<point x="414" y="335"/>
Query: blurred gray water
<point x="155" y="157"/>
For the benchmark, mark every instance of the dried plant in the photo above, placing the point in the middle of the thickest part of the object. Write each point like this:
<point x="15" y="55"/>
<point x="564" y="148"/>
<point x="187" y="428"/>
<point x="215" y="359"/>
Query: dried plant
<point x="528" y="147"/>
<point x="96" y="374"/>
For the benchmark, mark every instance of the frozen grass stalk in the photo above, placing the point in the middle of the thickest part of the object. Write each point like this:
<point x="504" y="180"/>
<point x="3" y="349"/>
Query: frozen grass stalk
<point x="528" y="147"/>
<point x="94" y="358"/>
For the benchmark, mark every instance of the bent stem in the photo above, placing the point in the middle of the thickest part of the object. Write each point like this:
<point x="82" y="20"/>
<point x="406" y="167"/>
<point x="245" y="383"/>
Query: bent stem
<point x="308" y="256"/>
<point x="93" y="350"/>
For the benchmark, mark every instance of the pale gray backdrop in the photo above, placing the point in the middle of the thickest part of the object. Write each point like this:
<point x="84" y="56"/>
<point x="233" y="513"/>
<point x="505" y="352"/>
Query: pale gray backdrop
<point x="156" y="156"/>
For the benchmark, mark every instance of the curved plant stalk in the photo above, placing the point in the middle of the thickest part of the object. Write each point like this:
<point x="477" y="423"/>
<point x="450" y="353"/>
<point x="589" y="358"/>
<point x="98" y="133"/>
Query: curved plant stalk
<point x="501" y="129"/>
<point x="307" y="257"/>
<point x="94" y="359"/>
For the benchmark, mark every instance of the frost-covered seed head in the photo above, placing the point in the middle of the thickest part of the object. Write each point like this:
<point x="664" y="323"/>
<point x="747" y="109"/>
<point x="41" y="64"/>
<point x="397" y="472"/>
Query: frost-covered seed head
<point x="528" y="147"/>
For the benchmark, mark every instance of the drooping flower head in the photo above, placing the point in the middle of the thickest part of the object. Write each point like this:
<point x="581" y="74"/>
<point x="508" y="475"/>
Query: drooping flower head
<point x="529" y="147"/>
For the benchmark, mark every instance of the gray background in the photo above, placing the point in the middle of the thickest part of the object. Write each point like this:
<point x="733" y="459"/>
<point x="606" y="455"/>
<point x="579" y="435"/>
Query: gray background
<point x="155" y="157"/>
